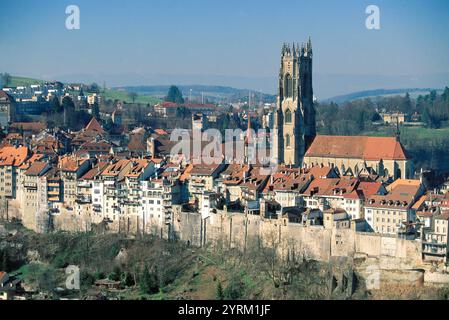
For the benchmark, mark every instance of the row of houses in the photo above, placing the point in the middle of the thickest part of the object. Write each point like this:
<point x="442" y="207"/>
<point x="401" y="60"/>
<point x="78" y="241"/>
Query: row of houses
<point x="85" y="174"/>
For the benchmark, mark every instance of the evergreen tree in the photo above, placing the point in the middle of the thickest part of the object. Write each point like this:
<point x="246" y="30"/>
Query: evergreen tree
<point x="132" y="96"/>
<point x="55" y="106"/>
<point x="220" y="293"/>
<point x="174" y="95"/>
<point x="445" y="95"/>
<point x="4" y="261"/>
<point x="148" y="281"/>
<point x="69" y="109"/>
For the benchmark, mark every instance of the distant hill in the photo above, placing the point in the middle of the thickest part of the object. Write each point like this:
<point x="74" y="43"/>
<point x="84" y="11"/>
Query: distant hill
<point x="22" y="81"/>
<point x="210" y="93"/>
<point x="414" y="92"/>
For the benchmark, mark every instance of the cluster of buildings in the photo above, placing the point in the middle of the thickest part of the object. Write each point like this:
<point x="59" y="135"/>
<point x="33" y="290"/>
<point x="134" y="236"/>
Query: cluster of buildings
<point x="79" y="180"/>
<point x="54" y="179"/>
<point x="30" y="102"/>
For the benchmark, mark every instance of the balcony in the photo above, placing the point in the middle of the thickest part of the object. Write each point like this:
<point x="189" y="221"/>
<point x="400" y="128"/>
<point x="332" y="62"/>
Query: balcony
<point x="30" y="185"/>
<point x="434" y="252"/>
<point x="434" y="243"/>
<point x="84" y="184"/>
<point x="83" y="199"/>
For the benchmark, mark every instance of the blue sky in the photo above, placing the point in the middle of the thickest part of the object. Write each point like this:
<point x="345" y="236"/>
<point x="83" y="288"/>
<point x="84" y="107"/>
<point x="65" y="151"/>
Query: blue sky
<point x="227" y="42"/>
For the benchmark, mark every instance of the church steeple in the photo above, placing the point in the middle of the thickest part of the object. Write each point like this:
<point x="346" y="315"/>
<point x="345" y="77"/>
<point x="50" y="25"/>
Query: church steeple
<point x="295" y="117"/>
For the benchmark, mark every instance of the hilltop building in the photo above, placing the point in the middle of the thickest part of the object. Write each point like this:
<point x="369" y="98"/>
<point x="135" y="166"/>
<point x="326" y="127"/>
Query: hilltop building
<point x="294" y="131"/>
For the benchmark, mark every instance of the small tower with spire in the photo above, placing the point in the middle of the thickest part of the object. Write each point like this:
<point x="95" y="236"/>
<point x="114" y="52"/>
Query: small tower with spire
<point x="249" y="142"/>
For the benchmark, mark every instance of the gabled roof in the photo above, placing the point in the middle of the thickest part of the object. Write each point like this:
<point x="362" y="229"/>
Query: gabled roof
<point x="5" y="97"/>
<point x="94" y="125"/>
<point x="71" y="163"/>
<point x="138" y="167"/>
<point x="357" y="147"/>
<point x="115" y="168"/>
<point x="95" y="171"/>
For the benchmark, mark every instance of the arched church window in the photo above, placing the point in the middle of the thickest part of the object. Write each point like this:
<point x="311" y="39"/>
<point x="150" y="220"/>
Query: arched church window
<point x="288" y="116"/>
<point x="287" y="141"/>
<point x="288" y="86"/>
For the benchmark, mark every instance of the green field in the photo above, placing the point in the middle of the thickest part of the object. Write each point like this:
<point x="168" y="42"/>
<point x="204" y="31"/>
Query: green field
<point x="123" y="96"/>
<point x="22" y="81"/>
<point x="411" y="132"/>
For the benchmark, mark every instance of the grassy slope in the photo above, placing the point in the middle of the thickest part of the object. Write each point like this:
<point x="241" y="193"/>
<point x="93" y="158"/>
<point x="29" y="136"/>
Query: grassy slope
<point x="22" y="81"/>
<point x="411" y="132"/>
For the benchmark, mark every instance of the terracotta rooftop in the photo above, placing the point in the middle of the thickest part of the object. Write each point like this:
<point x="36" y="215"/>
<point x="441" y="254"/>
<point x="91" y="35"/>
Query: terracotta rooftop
<point x="331" y="186"/>
<point x="36" y="168"/>
<point x="95" y="171"/>
<point x="95" y="126"/>
<point x="403" y="182"/>
<point x="286" y="179"/>
<point x="71" y="163"/>
<point x="115" y="168"/>
<point x="401" y="197"/>
<point x="418" y="204"/>
<point x="369" y="188"/>
<point x="357" y="147"/>
<point x="320" y="172"/>
<point x="204" y="169"/>
<point x="138" y="167"/>
<point x="12" y="156"/>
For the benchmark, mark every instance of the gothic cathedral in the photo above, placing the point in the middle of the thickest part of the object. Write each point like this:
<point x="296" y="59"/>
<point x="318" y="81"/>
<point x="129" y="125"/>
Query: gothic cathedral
<point x="294" y="120"/>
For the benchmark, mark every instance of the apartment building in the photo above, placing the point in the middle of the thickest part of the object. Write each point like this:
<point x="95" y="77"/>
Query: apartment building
<point x="435" y="239"/>
<point x="393" y="212"/>
<point x="324" y="193"/>
<point x="113" y="185"/>
<point x="140" y="170"/>
<point x="35" y="197"/>
<point x="158" y="196"/>
<point x="202" y="178"/>
<point x="11" y="158"/>
<point x="87" y="200"/>
<point x="72" y="168"/>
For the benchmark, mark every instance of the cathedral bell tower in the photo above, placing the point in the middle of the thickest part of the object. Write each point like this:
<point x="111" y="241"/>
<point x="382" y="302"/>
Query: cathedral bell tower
<point x="294" y="121"/>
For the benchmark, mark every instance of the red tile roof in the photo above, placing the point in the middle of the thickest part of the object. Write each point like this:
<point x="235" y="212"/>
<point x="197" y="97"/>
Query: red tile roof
<point x="70" y="163"/>
<point x="36" y="168"/>
<point x="330" y="187"/>
<point x="358" y="147"/>
<point x="11" y="156"/>
<point x="95" y="126"/>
